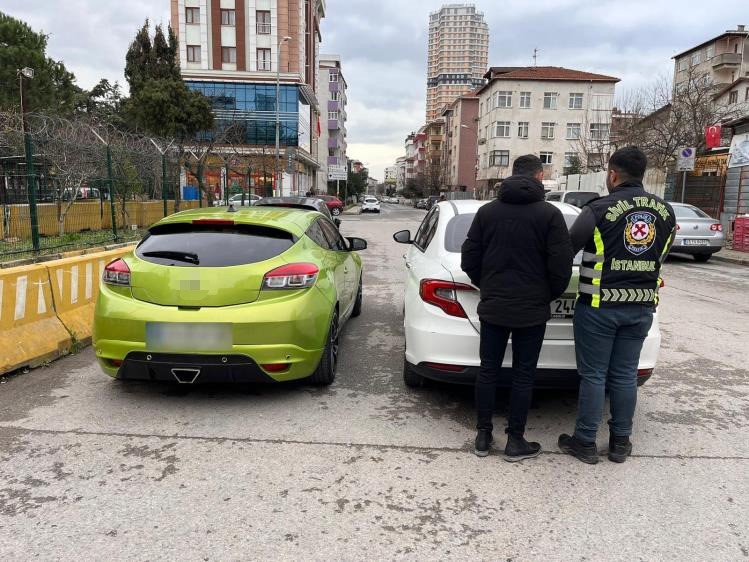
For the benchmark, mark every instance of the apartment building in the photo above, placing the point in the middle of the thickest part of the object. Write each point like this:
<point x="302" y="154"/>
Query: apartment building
<point x="458" y="55"/>
<point x="400" y="173"/>
<point x="331" y="93"/>
<point x="461" y="124"/>
<point x="391" y="175"/>
<point x="553" y="112"/>
<point x="723" y="59"/>
<point x="230" y="50"/>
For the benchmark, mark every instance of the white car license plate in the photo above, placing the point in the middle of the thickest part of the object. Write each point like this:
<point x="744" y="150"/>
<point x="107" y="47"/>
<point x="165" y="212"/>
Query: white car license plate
<point x="186" y="337"/>
<point x="563" y="308"/>
<point x="695" y="242"/>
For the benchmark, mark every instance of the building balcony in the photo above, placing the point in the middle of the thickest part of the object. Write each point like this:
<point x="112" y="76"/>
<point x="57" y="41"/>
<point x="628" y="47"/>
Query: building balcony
<point x="334" y="143"/>
<point x="332" y="160"/>
<point x="726" y="61"/>
<point x="334" y="124"/>
<point x="334" y="105"/>
<point x="334" y="87"/>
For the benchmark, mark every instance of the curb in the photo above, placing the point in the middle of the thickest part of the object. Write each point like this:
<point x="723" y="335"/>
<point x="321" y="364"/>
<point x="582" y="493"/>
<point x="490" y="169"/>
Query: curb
<point x="733" y="260"/>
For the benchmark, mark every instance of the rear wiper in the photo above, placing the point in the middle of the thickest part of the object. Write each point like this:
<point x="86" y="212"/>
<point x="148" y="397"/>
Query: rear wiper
<point x="179" y="256"/>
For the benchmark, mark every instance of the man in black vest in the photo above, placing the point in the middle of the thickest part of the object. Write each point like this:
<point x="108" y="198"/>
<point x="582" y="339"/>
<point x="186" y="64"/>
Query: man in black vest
<point x="625" y="237"/>
<point x="518" y="253"/>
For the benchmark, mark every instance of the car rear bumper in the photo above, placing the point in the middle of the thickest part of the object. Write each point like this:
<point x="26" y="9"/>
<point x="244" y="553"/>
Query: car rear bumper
<point x="715" y="244"/>
<point x="545" y="378"/>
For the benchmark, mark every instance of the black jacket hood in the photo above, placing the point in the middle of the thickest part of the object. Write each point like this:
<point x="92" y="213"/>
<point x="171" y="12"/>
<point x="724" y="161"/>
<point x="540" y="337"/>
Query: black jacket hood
<point x="521" y="190"/>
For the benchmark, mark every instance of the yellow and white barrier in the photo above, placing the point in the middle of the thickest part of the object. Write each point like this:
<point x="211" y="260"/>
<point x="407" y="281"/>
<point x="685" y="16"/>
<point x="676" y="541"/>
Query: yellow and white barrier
<point x="45" y="307"/>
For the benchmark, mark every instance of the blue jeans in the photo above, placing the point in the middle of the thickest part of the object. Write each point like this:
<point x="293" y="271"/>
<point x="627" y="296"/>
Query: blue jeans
<point x="608" y="342"/>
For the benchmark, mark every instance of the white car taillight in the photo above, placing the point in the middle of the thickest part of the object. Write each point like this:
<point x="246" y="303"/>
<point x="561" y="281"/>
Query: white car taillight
<point x="443" y="294"/>
<point x="292" y="276"/>
<point x="117" y="273"/>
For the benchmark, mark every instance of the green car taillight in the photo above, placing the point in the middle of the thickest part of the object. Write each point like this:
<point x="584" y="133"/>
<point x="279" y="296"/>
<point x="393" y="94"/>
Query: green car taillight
<point x="292" y="276"/>
<point x="117" y="273"/>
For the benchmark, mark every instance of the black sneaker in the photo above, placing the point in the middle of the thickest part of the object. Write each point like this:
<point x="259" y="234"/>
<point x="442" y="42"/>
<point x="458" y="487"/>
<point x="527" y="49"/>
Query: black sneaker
<point x="586" y="452"/>
<point x="519" y="449"/>
<point x="484" y="440"/>
<point x="619" y="448"/>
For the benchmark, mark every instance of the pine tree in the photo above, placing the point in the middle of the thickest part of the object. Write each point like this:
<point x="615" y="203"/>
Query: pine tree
<point x="139" y="59"/>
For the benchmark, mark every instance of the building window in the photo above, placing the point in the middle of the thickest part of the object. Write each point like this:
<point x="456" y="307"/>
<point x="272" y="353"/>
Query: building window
<point x="228" y="17"/>
<point x="332" y="116"/>
<point x="573" y="131"/>
<point x="546" y="157"/>
<point x="525" y="100"/>
<point x="746" y="95"/>
<point x="568" y="157"/>
<point x="499" y="158"/>
<point x="696" y="57"/>
<point x="263" y="22"/>
<point x="710" y="52"/>
<point x="502" y="129"/>
<point x="599" y="131"/>
<point x="547" y="130"/>
<point x="263" y="60"/>
<point x="576" y="101"/>
<point x="550" y="100"/>
<point x="334" y="96"/>
<point x="503" y="99"/>
<point x="682" y="64"/>
<point x="333" y="77"/>
<point x="192" y="15"/>
<point x="733" y="97"/>
<point x="229" y="55"/>
<point x="523" y="129"/>
<point x="193" y="53"/>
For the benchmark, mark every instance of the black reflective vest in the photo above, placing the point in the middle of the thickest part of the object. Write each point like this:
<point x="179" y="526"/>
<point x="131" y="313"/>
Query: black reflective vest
<point x="622" y="261"/>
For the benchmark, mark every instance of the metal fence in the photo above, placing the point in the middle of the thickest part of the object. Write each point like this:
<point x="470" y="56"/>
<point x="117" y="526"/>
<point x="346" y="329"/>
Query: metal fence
<point x="69" y="184"/>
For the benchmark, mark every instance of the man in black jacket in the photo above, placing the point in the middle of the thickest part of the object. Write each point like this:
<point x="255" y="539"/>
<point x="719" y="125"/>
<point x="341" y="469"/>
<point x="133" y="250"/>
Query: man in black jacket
<point x="518" y="253"/>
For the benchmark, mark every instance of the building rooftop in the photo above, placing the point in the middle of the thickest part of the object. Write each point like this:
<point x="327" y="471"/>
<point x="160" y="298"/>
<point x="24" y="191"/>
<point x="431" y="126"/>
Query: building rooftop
<point x="550" y="73"/>
<point x="738" y="32"/>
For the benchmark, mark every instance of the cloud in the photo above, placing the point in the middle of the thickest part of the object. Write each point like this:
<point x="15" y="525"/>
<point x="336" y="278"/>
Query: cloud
<point x="383" y="45"/>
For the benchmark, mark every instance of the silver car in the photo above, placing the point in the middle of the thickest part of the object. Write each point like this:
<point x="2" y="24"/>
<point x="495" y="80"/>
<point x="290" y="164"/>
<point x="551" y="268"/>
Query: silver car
<point x="697" y="233"/>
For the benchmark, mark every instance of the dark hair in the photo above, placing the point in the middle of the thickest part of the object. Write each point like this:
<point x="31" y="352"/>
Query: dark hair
<point x="629" y="162"/>
<point x="528" y="165"/>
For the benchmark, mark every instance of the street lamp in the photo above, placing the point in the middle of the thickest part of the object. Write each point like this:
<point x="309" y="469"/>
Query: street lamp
<point x="279" y="177"/>
<point x="28" y="73"/>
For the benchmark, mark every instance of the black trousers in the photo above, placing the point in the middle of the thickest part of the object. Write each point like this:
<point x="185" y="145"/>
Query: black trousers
<point x="526" y="347"/>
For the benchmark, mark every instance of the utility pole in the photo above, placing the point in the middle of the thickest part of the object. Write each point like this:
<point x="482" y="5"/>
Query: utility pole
<point x="279" y="176"/>
<point x="28" y="73"/>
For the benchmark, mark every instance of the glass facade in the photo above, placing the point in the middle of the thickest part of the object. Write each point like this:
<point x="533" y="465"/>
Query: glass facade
<point x="254" y="106"/>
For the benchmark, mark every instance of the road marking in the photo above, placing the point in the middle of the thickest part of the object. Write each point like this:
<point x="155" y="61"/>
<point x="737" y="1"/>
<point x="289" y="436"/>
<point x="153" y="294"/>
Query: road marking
<point x="21" y="286"/>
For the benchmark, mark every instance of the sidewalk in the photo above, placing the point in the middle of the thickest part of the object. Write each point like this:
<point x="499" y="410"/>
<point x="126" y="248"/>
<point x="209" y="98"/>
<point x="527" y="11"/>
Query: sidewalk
<point x="353" y="210"/>
<point x="732" y="256"/>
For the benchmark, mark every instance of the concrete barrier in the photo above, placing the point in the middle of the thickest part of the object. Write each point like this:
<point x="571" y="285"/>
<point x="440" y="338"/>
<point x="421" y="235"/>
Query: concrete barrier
<point x="30" y="331"/>
<point x="75" y="287"/>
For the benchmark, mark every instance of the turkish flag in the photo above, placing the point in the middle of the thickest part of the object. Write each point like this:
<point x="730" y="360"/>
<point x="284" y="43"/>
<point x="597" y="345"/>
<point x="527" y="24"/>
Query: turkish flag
<point x="712" y="136"/>
<point x="319" y="130"/>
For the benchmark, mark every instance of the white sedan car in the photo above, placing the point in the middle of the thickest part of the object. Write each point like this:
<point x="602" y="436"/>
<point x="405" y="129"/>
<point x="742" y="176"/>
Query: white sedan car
<point x="370" y="205"/>
<point x="440" y="314"/>
<point x="239" y="200"/>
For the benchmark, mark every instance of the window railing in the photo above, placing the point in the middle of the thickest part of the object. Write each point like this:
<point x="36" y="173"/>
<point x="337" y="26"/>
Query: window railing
<point x="263" y="28"/>
<point x="264" y="65"/>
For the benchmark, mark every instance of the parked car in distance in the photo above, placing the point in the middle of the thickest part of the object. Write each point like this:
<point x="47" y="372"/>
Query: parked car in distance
<point x="440" y="315"/>
<point x="334" y="204"/>
<point x="577" y="198"/>
<point x="209" y="295"/>
<point x="697" y="233"/>
<point x="370" y="205"/>
<point x="431" y="201"/>
<point x="82" y="193"/>
<point x="421" y="204"/>
<point x="304" y="203"/>
<point x="239" y="200"/>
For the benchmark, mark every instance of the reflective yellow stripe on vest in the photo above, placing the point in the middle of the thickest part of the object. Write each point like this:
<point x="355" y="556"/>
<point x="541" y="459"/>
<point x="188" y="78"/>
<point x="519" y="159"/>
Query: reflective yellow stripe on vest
<point x="598" y="240"/>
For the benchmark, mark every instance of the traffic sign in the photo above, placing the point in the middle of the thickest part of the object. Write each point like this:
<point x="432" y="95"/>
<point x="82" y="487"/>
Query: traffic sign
<point x="337" y="173"/>
<point x="685" y="159"/>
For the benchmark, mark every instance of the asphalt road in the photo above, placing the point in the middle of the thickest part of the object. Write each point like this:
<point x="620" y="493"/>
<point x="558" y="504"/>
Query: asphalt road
<point x="366" y="469"/>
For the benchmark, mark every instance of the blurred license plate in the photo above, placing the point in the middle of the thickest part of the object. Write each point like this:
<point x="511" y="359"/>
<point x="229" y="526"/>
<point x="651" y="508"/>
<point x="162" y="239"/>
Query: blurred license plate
<point x="695" y="242"/>
<point x="563" y="308"/>
<point x="176" y="336"/>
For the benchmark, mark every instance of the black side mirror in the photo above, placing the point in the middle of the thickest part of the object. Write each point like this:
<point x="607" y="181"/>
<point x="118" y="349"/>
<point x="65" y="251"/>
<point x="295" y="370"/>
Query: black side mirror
<point x="356" y="244"/>
<point x="403" y="237"/>
<point x="337" y="222"/>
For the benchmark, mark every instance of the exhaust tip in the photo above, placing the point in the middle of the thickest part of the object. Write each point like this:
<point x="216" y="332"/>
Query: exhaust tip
<point x="186" y="376"/>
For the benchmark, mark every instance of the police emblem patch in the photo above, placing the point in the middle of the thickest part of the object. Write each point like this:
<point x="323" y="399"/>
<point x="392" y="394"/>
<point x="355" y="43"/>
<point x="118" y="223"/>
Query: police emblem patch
<point x="639" y="232"/>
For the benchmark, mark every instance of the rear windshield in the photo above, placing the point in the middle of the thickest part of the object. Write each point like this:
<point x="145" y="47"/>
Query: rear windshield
<point x="689" y="212"/>
<point x="194" y="245"/>
<point x="580" y="198"/>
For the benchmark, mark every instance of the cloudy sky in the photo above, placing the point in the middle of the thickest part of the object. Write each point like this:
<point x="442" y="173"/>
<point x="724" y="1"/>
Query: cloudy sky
<point x="384" y="42"/>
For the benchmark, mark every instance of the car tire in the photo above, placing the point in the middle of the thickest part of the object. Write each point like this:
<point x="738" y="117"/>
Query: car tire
<point x="336" y="212"/>
<point x="359" y="299"/>
<point x="324" y="375"/>
<point x="702" y="258"/>
<point x="411" y="378"/>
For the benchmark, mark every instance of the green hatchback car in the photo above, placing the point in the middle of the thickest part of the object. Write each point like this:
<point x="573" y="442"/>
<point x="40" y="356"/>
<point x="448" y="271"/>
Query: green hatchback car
<point x="214" y="295"/>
